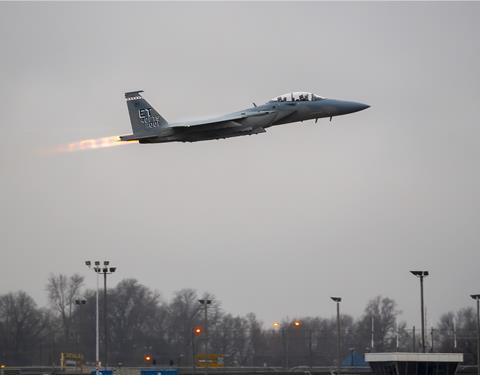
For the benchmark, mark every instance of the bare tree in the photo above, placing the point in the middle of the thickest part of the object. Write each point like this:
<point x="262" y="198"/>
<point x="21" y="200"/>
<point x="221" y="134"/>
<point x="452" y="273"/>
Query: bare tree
<point x="257" y="347"/>
<point x="62" y="293"/>
<point x="137" y="322"/>
<point x="464" y="322"/>
<point x="184" y="313"/>
<point x="22" y="328"/>
<point x="230" y="337"/>
<point x="384" y="312"/>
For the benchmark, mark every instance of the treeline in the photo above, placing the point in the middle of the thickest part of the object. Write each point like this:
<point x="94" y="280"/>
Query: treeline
<point x="140" y="322"/>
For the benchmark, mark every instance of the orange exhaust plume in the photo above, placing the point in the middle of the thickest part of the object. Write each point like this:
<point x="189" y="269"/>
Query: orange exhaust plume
<point x="91" y="144"/>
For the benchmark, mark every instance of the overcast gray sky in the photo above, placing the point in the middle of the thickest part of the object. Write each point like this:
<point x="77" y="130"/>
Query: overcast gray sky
<point x="273" y="223"/>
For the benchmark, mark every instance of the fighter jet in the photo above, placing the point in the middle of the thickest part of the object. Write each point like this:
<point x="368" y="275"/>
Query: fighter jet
<point x="150" y="127"/>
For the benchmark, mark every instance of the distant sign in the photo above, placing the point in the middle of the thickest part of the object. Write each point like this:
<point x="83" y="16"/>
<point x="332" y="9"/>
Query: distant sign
<point x="210" y="360"/>
<point x="71" y="360"/>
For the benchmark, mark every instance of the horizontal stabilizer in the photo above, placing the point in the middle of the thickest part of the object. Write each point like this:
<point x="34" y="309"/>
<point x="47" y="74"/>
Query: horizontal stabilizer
<point x="136" y="137"/>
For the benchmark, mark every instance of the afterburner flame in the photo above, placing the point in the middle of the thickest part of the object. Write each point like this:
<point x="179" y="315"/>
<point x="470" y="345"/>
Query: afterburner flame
<point x="91" y="144"/>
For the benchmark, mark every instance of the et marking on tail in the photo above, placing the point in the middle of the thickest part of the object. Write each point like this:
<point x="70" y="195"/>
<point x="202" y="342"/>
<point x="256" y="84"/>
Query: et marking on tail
<point x="143" y="116"/>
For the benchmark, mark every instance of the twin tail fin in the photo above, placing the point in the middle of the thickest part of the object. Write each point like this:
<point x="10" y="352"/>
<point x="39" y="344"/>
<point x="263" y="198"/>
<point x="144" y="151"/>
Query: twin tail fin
<point x="143" y="117"/>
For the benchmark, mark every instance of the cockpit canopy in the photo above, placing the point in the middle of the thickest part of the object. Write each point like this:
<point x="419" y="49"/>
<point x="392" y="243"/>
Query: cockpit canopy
<point x="297" y="97"/>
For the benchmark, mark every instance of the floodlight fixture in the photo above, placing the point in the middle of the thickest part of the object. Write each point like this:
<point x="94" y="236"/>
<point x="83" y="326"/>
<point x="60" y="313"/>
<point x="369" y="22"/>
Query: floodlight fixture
<point x="419" y="273"/>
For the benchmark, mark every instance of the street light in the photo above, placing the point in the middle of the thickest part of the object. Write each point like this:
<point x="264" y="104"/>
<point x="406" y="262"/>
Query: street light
<point x="337" y="300"/>
<point x="105" y="270"/>
<point x="476" y="297"/>
<point x="421" y="275"/>
<point x="285" y="333"/>
<point x="196" y="331"/>
<point x="205" y="303"/>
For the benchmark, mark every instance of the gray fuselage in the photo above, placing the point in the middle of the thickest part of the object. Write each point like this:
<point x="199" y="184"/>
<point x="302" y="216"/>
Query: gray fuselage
<point x="150" y="127"/>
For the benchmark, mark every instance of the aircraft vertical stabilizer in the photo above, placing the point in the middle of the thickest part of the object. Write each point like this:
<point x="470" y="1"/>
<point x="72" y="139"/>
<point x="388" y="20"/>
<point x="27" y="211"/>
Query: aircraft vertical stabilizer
<point x="143" y="117"/>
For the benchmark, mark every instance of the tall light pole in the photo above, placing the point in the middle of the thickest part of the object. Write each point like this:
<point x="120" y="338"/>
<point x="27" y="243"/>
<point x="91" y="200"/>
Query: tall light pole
<point x="285" y="337"/>
<point x="337" y="300"/>
<point x="105" y="270"/>
<point x="88" y="263"/>
<point x="205" y="303"/>
<point x="196" y="331"/>
<point x="476" y="297"/>
<point x="295" y="324"/>
<point x="79" y="302"/>
<point x="278" y="328"/>
<point x="421" y="275"/>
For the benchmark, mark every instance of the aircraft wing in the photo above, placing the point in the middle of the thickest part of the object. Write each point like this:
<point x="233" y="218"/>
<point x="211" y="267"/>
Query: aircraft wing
<point x="232" y="117"/>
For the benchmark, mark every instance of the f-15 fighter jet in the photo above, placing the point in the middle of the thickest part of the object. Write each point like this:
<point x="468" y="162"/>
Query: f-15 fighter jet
<point x="150" y="127"/>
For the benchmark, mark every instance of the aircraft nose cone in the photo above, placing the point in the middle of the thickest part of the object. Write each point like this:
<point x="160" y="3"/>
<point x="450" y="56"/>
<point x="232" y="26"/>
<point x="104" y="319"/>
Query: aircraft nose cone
<point x="350" y="107"/>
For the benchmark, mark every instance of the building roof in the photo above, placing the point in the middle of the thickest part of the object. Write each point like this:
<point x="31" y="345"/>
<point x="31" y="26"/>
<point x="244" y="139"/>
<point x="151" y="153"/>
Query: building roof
<point x="413" y="357"/>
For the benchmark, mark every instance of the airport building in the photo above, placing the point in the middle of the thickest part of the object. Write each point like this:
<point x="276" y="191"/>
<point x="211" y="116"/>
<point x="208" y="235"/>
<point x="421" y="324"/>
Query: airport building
<point x="414" y="363"/>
